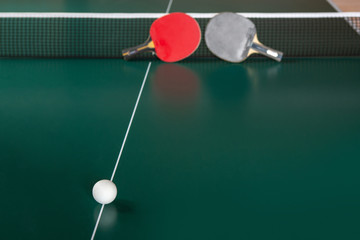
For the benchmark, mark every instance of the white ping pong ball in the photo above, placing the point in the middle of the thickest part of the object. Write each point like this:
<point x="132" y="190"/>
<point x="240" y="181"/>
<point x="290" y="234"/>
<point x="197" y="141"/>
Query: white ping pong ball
<point x="104" y="191"/>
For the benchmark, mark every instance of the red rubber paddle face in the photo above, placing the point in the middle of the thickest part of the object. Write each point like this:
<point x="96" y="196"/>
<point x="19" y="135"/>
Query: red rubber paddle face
<point x="176" y="36"/>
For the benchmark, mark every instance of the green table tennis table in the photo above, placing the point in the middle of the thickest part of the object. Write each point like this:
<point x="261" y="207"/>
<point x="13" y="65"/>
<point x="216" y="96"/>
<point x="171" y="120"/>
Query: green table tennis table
<point x="258" y="150"/>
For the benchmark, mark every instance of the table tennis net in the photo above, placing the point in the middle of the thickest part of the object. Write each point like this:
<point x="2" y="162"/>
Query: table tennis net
<point x="58" y="35"/>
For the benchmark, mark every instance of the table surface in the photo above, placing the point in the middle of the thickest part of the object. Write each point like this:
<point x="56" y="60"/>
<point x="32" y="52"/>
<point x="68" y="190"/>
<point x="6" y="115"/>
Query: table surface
<point x="258" y="150"/>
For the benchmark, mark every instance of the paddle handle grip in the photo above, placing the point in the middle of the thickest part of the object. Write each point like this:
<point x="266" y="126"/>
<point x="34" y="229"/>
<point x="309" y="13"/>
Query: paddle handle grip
<point x="266" y="51"/>
<point x="129" y="53"/>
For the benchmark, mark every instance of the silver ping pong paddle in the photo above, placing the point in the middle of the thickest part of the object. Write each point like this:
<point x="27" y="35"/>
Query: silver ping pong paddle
<point x="233" y="38"/>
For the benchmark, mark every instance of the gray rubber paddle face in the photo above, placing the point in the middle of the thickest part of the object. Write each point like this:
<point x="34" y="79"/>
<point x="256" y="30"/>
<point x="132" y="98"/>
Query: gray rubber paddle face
<point x="229" y="36"/>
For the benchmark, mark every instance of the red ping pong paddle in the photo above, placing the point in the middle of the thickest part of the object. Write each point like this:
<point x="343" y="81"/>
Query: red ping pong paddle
<point x="173" y="37"/>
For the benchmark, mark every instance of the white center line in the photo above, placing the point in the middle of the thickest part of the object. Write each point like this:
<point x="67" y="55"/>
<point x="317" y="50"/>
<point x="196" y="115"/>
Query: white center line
<point x="123" y="144"/>
<point x="169" y="6"/>
<point x="97" y="222"/>
<point x="131" y="120"/>
<point x="126" y="134"/>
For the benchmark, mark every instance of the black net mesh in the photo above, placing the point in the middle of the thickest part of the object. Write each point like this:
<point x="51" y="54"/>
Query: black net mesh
<point x="106" y="37"/>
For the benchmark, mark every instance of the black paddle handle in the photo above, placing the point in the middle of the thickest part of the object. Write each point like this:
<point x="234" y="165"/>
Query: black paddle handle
<point x="268" y="52"/>
<point x="129" y="53"/>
